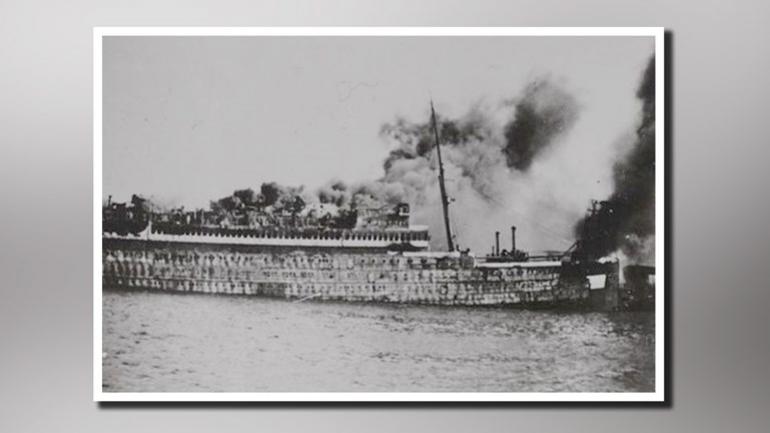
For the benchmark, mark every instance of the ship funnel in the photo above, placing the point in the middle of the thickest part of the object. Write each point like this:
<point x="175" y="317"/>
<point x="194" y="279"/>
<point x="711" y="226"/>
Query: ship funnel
<point x="513" y="239"/>
<point x="497" y="243"/>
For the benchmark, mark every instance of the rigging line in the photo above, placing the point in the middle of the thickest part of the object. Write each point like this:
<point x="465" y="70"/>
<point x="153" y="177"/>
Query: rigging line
<point x="548" y="206"/>
<point x="541" y="229"/>
<point x="494" y="200"/>
<point x="524" y="191"/>
<point x="544" y="230"/>
<point x="537" y="225"/>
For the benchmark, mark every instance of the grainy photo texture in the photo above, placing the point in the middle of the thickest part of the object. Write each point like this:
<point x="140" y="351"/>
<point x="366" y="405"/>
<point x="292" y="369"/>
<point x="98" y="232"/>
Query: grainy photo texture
<point x="296" y="215"/>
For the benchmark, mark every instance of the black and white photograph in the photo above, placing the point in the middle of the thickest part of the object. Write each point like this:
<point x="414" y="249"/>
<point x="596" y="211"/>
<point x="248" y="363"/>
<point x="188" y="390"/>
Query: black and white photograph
<point x="379" y="214"/>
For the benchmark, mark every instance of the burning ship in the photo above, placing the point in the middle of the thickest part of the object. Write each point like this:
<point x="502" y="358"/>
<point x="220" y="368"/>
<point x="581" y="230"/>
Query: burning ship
<point x="369" y="255"/>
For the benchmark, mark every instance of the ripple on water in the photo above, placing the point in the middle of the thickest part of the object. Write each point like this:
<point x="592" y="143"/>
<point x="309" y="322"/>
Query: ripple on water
<point x="160" y="342"/>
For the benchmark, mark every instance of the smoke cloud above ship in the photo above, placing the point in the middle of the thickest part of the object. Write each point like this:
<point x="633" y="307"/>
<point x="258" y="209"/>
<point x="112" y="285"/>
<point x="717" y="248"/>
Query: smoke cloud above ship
<point x="626" y="220"/>
<point x="543" y="113"/>
<point x="490" y="158"/>
<point x="509" y="162"/>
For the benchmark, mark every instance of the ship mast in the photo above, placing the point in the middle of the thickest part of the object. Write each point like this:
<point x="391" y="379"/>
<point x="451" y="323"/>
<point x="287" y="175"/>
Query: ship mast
<point x="442" y="187"/>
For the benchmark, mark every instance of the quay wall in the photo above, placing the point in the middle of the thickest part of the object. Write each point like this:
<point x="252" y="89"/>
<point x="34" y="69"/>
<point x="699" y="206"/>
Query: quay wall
<point x="343" y="276"/>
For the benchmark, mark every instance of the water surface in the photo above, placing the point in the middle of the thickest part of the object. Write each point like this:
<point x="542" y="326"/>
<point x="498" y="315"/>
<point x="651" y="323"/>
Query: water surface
<point x="163" y="342"/>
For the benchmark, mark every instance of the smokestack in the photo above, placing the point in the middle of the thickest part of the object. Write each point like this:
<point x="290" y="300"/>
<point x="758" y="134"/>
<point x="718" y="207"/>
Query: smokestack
<point x="513" y="239"/>
<point x="497" y="243"/>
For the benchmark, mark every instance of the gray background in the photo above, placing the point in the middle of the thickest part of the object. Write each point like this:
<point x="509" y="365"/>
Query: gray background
<point x="721" y="245"/>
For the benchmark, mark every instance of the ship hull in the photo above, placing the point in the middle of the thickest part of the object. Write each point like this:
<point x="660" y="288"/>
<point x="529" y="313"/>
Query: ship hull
<point x="344" y="275"/>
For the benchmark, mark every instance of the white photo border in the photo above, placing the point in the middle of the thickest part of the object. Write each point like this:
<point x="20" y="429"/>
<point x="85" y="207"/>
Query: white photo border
<point x="658" y="396"/>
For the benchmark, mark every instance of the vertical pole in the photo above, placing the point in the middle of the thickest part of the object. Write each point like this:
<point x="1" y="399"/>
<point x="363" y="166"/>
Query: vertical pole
<point x="513" y="240"/>
<point x="497" y="243"/>
<point x="442" y="187"/>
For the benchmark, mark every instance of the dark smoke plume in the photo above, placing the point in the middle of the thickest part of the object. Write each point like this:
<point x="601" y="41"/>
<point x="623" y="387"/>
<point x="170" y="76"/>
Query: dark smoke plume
<point x="626" y="220"/>
<point x="544" y="112"/>
<point x="498" y="174"/>
<point x="488" y="154"/>
<point x="469" y="145"/>
<point x="416" y="139"/>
